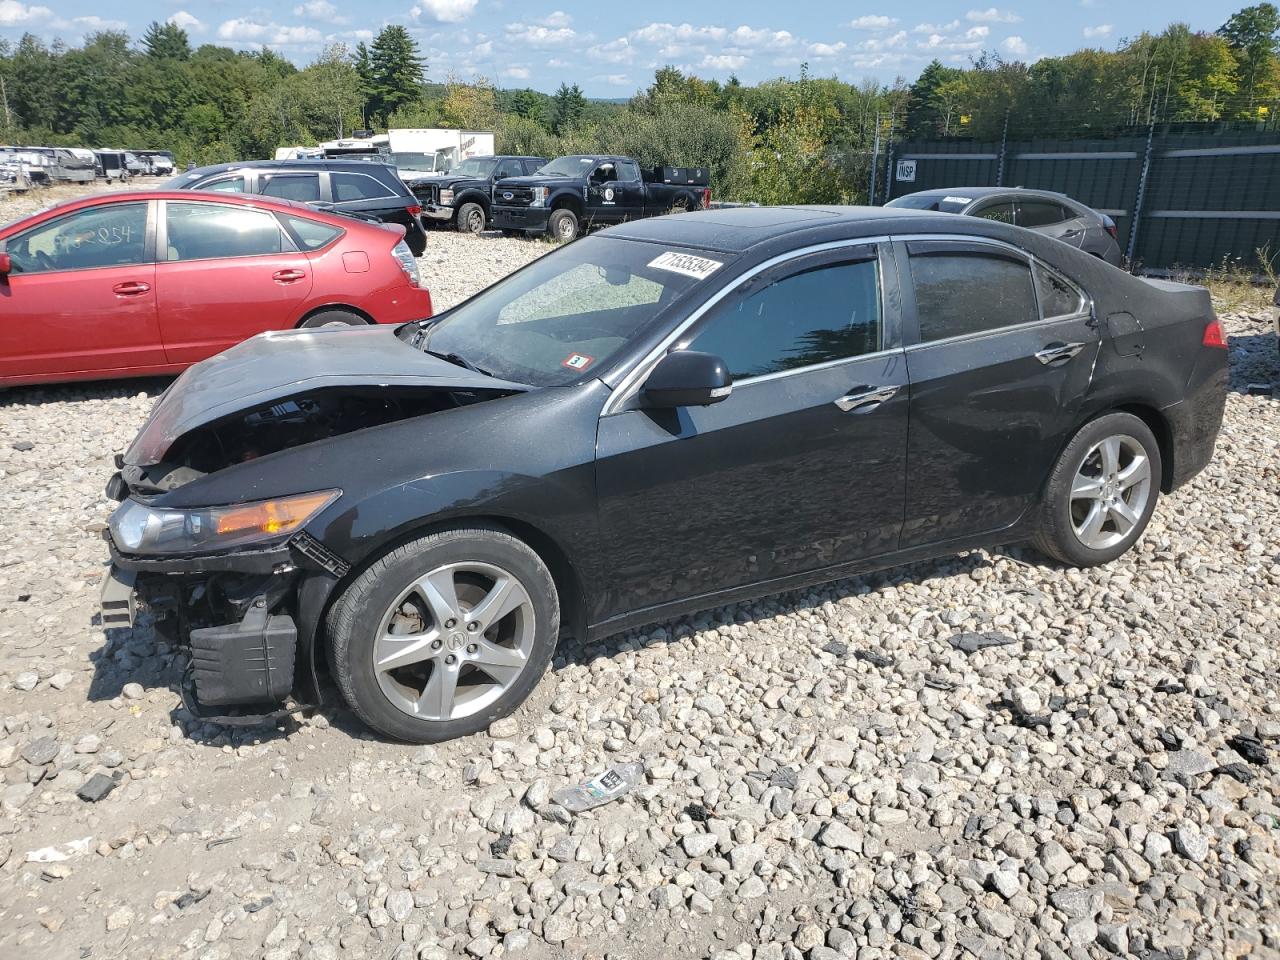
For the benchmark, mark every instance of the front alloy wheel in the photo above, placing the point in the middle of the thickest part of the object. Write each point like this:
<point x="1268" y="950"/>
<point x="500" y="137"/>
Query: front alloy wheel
<point x="445" y="634"/>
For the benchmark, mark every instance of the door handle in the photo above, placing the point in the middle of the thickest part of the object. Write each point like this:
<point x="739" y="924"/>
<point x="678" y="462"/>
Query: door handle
<point x="131" y="288"/>
<point x="1058" y="352"/>
<point x="287" y="276"/>
<point x="866" y="401"/>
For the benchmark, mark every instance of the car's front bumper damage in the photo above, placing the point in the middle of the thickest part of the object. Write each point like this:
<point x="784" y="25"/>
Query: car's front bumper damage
<point x="237" y="617"/>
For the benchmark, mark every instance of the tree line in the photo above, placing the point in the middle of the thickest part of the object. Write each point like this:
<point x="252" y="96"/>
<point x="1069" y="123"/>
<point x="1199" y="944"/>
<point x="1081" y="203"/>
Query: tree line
<point x="805" y="139"/>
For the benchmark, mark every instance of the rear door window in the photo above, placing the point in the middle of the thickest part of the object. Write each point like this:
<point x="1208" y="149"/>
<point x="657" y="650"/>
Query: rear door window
<point x="303" y="187"/>
<point x="965" y="293"/>
<point x="1040" y="213"/>
<point x="1000" y="210"/>
<point x="352" y="187"/>
<point x="206" y="231"/>
<point x="813" y="315"/>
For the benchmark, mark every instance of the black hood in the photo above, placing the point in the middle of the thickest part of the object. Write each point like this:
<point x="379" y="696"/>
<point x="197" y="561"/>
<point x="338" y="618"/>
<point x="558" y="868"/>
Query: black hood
<point x="276" y="365"/>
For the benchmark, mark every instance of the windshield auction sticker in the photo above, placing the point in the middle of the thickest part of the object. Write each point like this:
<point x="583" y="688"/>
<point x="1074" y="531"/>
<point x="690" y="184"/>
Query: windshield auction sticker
<point x="689" y="265"/>
<point x="577" y="361"/>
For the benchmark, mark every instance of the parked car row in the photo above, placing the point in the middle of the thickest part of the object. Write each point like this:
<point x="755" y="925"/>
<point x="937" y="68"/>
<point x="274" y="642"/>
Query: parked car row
<point x="22" y="168"/>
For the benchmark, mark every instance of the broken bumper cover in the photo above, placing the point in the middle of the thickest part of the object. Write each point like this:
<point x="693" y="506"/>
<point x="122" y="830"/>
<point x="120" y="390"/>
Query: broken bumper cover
<point x="234" y="612"/>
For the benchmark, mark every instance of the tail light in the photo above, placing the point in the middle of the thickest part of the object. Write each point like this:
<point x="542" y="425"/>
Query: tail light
<point x="1110" y="226"/>
<point x="404" y="257"/>
<point x="415" y="210"/>
<point x="1213" y="335"/>
<point x="706" y="198"/>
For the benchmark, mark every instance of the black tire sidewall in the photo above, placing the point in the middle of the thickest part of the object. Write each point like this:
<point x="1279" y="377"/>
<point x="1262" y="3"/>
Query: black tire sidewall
<point x="559" y="216"/>
<point x="464" y="216"/>
<point x="356" y="616"/>
<point x="1057" y="535"/>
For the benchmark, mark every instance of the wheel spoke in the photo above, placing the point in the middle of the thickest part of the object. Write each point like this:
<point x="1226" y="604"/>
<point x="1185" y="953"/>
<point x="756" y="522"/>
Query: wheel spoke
<point x="396" y="651"/>
<point x="505" y="595"/>
<point x="501" y="663"/>
<point x="1092" y="526"/>
<point x="1124" y="517"/>
<point x="441" y="594"/>
<point x="1135" y="472"/>
<point x="1086" y="488"/>
<point x="1109" y="450"/>
<point x="436" y="701"/>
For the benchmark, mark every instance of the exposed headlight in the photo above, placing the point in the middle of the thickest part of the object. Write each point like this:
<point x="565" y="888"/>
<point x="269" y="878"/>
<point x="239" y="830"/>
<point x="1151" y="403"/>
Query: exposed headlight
<point x="446" y="197"/>
<point x="404" y="256"/>
<point x="138" y="528"/>
<point x="539" y="197"/>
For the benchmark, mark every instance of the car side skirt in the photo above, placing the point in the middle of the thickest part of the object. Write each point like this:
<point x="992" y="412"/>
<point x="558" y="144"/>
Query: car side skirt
<point x="1018" y="531"/>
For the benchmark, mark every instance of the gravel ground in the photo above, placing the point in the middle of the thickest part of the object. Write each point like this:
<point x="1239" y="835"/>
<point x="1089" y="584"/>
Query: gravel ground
<point x="828" y="776"/>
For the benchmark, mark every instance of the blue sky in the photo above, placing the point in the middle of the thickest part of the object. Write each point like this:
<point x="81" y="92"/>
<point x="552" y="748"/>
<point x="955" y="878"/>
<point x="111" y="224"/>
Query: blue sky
<point x="612" y="49"/>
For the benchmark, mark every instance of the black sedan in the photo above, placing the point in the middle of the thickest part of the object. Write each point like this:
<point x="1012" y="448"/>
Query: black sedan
<point x="666" y="416"/>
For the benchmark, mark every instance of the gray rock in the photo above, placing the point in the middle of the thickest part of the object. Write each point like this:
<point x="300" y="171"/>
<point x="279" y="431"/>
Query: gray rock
<point x="399" y="905"/>
<point x="1191" y="843"/>
<point x="40" y="751"/>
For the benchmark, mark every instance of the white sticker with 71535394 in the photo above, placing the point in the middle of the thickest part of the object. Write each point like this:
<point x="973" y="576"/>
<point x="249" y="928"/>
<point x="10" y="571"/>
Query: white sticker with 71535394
<point x="689" y="265"/>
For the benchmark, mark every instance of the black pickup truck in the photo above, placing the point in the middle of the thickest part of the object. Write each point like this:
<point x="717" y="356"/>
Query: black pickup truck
<point x="462" y="196"/>
<point x="571" y="193"/>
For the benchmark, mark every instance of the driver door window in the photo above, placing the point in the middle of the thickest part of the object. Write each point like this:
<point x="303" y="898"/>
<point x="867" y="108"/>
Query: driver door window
<point x="112" y="235"/>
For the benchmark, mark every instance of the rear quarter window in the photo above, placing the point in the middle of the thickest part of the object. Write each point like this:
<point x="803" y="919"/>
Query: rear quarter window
<point x="351" y="187"/>
<point x="310" y="234"/>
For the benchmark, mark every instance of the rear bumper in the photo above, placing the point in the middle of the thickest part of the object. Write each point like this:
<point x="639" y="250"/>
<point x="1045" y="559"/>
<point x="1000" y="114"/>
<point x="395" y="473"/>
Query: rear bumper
<point x="1194" y="422"/>
<point x="533" y="219"/>
<point x="400" y="305"/>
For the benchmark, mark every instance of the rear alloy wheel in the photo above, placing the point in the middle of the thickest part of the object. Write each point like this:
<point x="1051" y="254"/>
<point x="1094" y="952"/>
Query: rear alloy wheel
<point x="471" y="218"/>
<point x="333" y="318"/>
<point x="563" y="225"/>
<point x="1102" y="492"/>
<point x="445" y="634"/>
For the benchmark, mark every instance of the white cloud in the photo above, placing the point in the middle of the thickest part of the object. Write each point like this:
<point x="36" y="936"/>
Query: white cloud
<point x="516" y="73"/>
<point x="873" y="21"/>
<point x="536" y="35"/>
<point x="977" y="33"/>
<point x="723" y="61"/>
<point x="615" y="51"/>
<point x="443" y="11"/>
<point x="483" y="49"/>
<point x="826" y="49"/>
<point x="1101" y="30"/>
<point x="614" y="79"/>
<point x="15" y="14"/>
<point x="684" y="33"/>
<point x="91" y="23"/>
<point x="272" y="34"/>
<point x="936" y="27"/>
<point x="1016" y="45"/>
<point x="557" y="18"/>
<point x="992" y="15"/>
<point x="319" y="10"/>
<point x="187" y="21"/>
<point x="766" y="39"/>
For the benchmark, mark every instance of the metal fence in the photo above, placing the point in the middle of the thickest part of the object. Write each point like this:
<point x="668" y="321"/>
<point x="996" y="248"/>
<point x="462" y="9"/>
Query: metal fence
<point x="1180" y="200"/>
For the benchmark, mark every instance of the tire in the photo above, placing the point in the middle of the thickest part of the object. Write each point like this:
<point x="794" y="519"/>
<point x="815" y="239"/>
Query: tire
<point x="383" y="604"/>
<point x="1099" y="498"/>
<point x="471" y="218"/>
<point x="563" y="225"/>
<point x="333" y="318"/>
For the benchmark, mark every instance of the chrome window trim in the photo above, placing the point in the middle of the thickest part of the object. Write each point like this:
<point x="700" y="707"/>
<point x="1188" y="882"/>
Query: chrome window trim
<point x="630" y="384"/>
<point x="826" y="364"/>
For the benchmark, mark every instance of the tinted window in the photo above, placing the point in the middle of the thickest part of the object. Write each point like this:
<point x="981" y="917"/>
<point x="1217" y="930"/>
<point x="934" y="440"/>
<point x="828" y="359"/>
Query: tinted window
<point x="228" y="185"/>
<point x="202" y="231"/>
<point x="303" y="187"/>
<point x="628" y="170"/>
<point x="111" y="235"/>
<point x="1001" y="212"/>
<point x="1058" y="298"/>
<point x="960" y="294"/>
<point x="310" y="234"/>
<point x="825" y="313"/>
<point x="356" y="186"/>
<point x="1040" y="213"/>
<point x="508" y="168"/>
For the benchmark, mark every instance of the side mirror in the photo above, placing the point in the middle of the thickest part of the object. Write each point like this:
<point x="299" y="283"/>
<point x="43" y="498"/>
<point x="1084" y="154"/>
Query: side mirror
<point x="6" y="265"/>
<point x="687" y="378"/>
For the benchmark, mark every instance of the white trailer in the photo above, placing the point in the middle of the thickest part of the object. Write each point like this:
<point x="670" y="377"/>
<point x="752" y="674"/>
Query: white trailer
<point x="419" y="152"/>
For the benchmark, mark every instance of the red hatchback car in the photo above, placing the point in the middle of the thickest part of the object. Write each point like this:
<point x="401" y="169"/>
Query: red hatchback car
<point x="142" y="283"/>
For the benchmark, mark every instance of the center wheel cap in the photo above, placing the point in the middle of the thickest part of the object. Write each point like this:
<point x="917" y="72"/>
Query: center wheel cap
<point x="456" y="641"/>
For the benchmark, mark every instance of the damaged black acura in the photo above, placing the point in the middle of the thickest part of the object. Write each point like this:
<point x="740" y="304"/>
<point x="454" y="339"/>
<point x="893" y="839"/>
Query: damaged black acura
<point x="665" y="416"/>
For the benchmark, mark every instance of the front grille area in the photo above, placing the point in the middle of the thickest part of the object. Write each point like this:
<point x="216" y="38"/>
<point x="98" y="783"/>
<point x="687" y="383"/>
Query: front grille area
<point x="520" y="196"/>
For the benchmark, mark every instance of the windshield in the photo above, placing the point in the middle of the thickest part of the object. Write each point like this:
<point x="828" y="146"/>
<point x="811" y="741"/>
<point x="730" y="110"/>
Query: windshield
<point x="568" y="313"/>
<point x="415" y="161"/>
<point x="474" y="167"/>
<point x="931" y="201"/>
<point x="568" y="167"/>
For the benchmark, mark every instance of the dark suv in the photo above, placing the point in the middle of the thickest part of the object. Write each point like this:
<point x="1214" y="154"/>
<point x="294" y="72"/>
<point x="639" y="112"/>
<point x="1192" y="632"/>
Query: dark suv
<point x="361" y="187"/>
<point x="462" y="196"/>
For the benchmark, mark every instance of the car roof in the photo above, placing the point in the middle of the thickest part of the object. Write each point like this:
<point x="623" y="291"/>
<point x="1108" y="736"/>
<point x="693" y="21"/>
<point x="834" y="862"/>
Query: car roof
<point x="975" y="193"/>
<point x="737" y="229"/>
<point x="322" y="163"/>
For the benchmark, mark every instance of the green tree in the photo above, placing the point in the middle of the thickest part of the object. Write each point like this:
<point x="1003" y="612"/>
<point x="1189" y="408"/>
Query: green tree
<point x="568" y="108"/>
<point x="1254" y="37"/>
<point x="166" y="41"/>
<point x="395" y="70"/>
<point x="926" y="114"/>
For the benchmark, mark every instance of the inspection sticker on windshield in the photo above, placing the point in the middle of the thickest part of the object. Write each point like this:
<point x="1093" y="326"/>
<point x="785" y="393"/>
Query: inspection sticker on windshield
<point x="957" y="200"/>
<point x="577" y="361"/>
<point x="689" y="265"/>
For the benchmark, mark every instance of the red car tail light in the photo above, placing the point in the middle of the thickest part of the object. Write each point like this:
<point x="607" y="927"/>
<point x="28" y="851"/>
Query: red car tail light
<point x="415" y="210"/>
<point x="1214" y="336"/>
